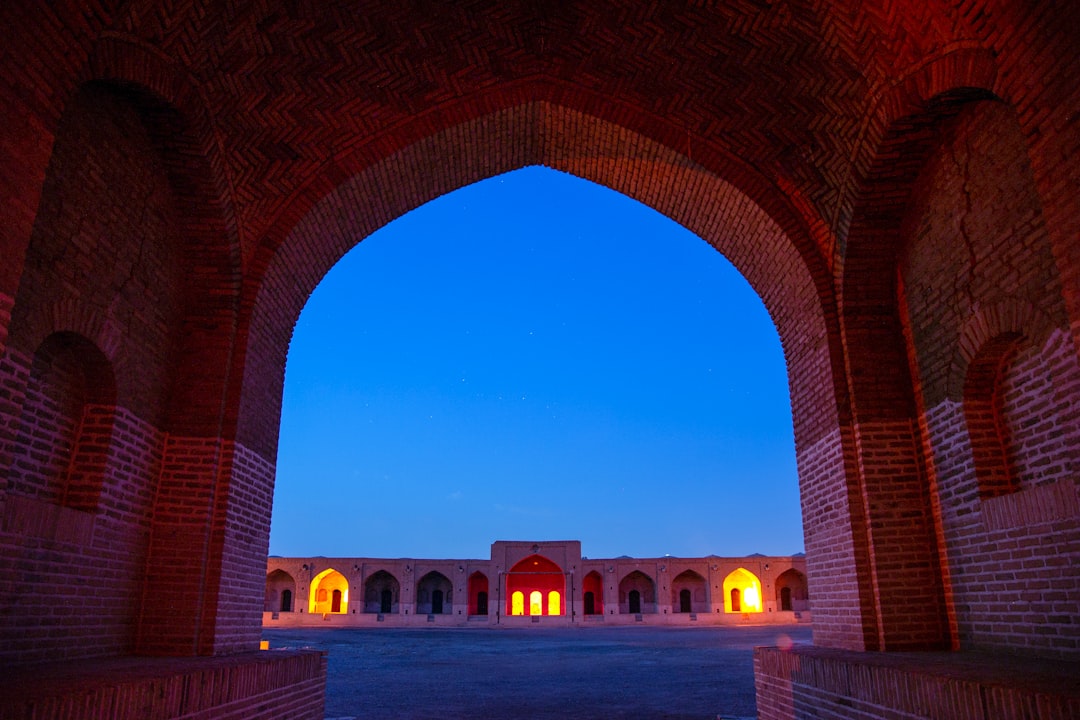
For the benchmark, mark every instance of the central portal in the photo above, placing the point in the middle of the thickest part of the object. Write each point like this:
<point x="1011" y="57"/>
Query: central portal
<point x="535" y="586"/>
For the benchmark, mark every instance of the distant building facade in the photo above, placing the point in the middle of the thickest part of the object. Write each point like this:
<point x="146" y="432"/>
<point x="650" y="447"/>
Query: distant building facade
<point x="536" y="582"/>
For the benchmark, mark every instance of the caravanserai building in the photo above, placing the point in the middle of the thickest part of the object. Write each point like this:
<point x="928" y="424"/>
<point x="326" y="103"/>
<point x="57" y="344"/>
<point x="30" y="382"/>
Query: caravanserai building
<point x="535" y="582"/>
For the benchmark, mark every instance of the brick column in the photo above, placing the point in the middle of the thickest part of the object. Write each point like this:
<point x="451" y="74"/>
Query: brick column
<point x="207" y="558"/>
<point x="838" y="580"/>
<point x="901" y="550"/>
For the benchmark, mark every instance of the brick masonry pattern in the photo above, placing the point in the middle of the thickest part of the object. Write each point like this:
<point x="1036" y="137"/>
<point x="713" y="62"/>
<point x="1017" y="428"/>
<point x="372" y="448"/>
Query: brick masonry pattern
<point x="897" y="180"/>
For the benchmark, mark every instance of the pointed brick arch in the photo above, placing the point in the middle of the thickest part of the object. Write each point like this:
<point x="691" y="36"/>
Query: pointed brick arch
<point x="782" y="267"/>
<point x="572" y="142"/>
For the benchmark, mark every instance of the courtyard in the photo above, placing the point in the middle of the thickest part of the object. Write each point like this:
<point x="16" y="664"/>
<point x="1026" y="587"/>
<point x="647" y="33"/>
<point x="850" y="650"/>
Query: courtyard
<point x="564" y="672"/>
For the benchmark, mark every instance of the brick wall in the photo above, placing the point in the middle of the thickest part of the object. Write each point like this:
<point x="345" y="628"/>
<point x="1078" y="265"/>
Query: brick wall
<point x="805" y="683"/>
<point x="248" y="686"/>
<point x="89" y="352"/>
<point x="979" y="275"/>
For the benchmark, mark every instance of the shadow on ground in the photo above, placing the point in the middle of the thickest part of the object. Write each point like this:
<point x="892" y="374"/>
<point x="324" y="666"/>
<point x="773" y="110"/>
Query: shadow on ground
<point x="624" y="672"/>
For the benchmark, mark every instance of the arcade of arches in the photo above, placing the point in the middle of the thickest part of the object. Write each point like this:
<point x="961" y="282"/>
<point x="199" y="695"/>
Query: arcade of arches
<point x="897" y="180"/>
<point x="528" y="582"/>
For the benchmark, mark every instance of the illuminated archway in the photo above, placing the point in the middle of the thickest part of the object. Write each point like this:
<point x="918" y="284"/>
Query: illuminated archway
<point x="329" y="593"/>
<point x="538" y="577"/>
<point x="742" y="592"/>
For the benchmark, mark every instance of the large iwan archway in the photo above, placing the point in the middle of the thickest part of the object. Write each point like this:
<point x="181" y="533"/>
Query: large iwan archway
<point x="535" y="586"/>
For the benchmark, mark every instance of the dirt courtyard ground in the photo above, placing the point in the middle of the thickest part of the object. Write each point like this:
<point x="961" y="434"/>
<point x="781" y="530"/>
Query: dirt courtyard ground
<point x="581" y="672"/>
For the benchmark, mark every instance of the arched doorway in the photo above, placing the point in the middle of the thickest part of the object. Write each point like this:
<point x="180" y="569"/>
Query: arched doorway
<point x="689" y="593"/>
<point x="329" y="593"/>
<point x="742" y="592"/>
<point x="795" y="307"/>
<point x="637" y="594"/>
<point x="381" y="593"/>
<point x="374" y="242"/>
<point x="434" y="594"/>
<point x="478" y="594"/>
<point x="791" y="592"/>
<point x="541" y="584"/>
<point x="280" y="588"/>
<point x="593" y="598"/>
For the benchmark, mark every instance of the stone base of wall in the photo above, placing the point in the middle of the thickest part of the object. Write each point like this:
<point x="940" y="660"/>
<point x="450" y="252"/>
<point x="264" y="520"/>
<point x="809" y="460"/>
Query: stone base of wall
<point x="811" y="682"/>
<point x="273" y="685"/>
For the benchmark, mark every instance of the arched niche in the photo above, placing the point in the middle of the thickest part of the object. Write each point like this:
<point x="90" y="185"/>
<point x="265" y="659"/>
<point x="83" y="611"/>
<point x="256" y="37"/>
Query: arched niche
<point x="280" y="592"/>
<point x="689" y="593"/>
<point x="329" y="593"/>
<point x="534" y="579"/>
<point x="434" y="594"/>
<point x="637" y="594"/>
<point x="382" y="593"/>
<point x="791" y="592"/>
<point x="742" y="592"/>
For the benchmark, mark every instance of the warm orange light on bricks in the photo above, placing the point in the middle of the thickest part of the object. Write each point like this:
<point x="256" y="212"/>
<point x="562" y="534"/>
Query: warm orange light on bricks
<point x="329" y="593"/>
<point x="742" y="592"/>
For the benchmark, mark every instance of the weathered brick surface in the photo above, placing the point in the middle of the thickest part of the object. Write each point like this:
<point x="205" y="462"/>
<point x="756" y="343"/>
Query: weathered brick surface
<point x="73" y="587"/>
<point x="247" y="686"/>
<point x="1001" y="415"/>
<point x="816" y="683"/>
<point x="897" y="180"/>
<point x="86" y="363"/>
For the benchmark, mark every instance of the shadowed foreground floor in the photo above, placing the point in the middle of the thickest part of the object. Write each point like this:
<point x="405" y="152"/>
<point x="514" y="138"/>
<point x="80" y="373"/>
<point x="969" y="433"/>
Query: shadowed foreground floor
<point x="625" y="672"/>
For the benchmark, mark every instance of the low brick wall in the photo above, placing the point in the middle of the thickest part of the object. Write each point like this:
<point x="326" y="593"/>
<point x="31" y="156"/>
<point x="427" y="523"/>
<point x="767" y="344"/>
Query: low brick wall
<point x="812" y="682"/>
<point x="273" y="685"/>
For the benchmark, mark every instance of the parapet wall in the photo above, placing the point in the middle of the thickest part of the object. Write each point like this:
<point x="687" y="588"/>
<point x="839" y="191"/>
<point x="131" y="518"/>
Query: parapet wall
<point x="814" y="682"/>
<point x="272" y="685"/>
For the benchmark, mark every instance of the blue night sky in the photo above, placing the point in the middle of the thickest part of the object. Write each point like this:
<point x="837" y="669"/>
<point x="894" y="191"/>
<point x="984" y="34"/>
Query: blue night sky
<point x="535" y="357"/>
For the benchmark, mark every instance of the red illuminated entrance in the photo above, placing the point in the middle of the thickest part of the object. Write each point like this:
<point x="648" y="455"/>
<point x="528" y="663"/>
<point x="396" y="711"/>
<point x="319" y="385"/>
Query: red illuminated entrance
<point x="535" y="586"/>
